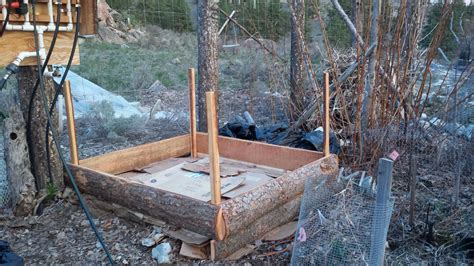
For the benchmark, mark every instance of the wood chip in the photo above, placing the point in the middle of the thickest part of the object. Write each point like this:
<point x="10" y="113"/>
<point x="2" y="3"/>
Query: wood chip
<point x="187" y="236"/>
<point x="192" y="251"/>
<point x="281" y="232"/>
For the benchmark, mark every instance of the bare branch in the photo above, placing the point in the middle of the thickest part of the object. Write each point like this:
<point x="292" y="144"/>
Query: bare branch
<point x="249" y="34"/>
<point x="456" y="38"/>
<point x="349" y="23"/>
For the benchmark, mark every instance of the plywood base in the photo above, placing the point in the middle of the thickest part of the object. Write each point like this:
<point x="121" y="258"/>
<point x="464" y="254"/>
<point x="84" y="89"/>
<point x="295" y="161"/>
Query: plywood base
<point x="14" y="42"/>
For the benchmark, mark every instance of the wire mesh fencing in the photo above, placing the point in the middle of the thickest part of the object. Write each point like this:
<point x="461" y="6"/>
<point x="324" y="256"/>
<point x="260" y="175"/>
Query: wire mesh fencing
<point x="4" y="185"/>
<point x="340" y="223"/>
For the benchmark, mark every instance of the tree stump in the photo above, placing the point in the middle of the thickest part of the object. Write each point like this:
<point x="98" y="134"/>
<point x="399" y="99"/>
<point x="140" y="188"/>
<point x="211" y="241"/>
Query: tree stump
<point x="27" y="77"/>
<point x="21" y="181"/>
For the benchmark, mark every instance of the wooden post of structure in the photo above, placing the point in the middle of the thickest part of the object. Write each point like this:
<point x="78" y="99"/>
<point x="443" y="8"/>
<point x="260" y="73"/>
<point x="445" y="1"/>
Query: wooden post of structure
<point x="213" y="147"/>
<point x="326" y="125"/>
<point x="192" y="111"/>
<point x="71" y="125"/>
<point x="381" y="212"/>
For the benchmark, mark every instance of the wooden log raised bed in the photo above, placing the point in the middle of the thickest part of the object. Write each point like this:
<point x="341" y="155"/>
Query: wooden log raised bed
<point x="233" y="223"/>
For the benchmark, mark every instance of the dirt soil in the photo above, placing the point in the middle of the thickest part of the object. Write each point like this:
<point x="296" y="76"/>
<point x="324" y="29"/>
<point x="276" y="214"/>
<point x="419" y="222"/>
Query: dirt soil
<point x="62" y="234"/>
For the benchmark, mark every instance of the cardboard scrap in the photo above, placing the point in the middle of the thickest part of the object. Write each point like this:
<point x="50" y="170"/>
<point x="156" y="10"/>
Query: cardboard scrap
<point x="252" y="180"/>
<point x="187" y="236"/>
<point x="281" y="232"/>
<point x="192" y="251"/>
<point x="204" y="168"/>
<point x="190" y="184"/>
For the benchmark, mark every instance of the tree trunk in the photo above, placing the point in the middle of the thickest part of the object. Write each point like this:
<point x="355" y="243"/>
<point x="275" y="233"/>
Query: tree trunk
<point x="297" y="93"/>
<point x="20" y="180"/>
<point x="208" y="72"/>
<point x="36" y="137"/>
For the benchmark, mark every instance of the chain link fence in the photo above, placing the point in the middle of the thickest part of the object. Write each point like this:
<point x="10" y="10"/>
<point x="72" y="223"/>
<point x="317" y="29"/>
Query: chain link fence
<point x="4" y="186"/>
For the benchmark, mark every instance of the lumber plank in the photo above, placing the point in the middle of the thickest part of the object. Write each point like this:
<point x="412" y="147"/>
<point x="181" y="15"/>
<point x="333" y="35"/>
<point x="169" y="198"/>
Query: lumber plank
<point x="241" y="211"/>
<point x="326" y="125"/>
<point x="172" y="208"/>
<point x="139" y="156"/>
<point x="88" y="18"/>
<point x="192" y="110"/>
<point x="214" y="164"/>
<point x="260" y="153"/>
<point x="71" y="123"/>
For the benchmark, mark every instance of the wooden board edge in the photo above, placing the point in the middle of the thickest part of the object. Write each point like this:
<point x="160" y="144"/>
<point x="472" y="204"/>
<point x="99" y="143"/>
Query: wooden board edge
<point x="243" y="152"/>
<point x="120" y="161"/>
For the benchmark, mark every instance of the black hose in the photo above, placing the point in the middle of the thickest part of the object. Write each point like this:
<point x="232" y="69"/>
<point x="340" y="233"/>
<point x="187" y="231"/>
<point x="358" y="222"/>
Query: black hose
<point x="33" y="93"/>
<point x="58" y="90"/>
<point x="7" y="19"/>
<point x="56" y="140"/>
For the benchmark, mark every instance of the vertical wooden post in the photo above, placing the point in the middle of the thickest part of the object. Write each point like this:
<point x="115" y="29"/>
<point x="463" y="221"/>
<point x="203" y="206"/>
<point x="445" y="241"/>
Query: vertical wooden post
<point x="381" y="212"/>
<point x="89" y="17"/>
<point x="213" y="147"/>
<point x="192" y="111"/>
<point x="71" y="125"/>
<point x="326" y="125"/>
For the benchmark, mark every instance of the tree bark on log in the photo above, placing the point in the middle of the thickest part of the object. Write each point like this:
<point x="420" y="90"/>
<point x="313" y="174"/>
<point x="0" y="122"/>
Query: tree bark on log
<point x="243" y="210"/>
<point x="276" y="217"/>
<point x="208" y="71"/>
<point x="174" y="209"/>
<point x="297" y="70"/>
<point x="27" y="77"/>
<point x="21" y="181"/>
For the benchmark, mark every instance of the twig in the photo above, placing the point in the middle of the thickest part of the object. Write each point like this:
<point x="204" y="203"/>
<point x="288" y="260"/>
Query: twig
<point x="249" y="34"/>
<point x="349" y="23"/>
<point x="456" y="38"/>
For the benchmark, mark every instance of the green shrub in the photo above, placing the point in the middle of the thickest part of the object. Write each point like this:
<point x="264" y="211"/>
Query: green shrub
<point x="448" y="43"/>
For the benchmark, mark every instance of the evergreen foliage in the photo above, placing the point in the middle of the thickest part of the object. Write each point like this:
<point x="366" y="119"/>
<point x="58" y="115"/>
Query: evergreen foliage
<point x="267" y="18"/>
<point x="168" y="14"/>
<point x="448" y="43"/>
<point x="338" y="34"/>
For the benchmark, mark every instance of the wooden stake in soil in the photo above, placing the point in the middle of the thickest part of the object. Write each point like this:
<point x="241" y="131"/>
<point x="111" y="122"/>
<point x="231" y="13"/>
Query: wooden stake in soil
<point x="326" y="126"/>
<point x="213" y="147"/>
<point x="192" y="111"/>
<point x="71" y="125"/>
